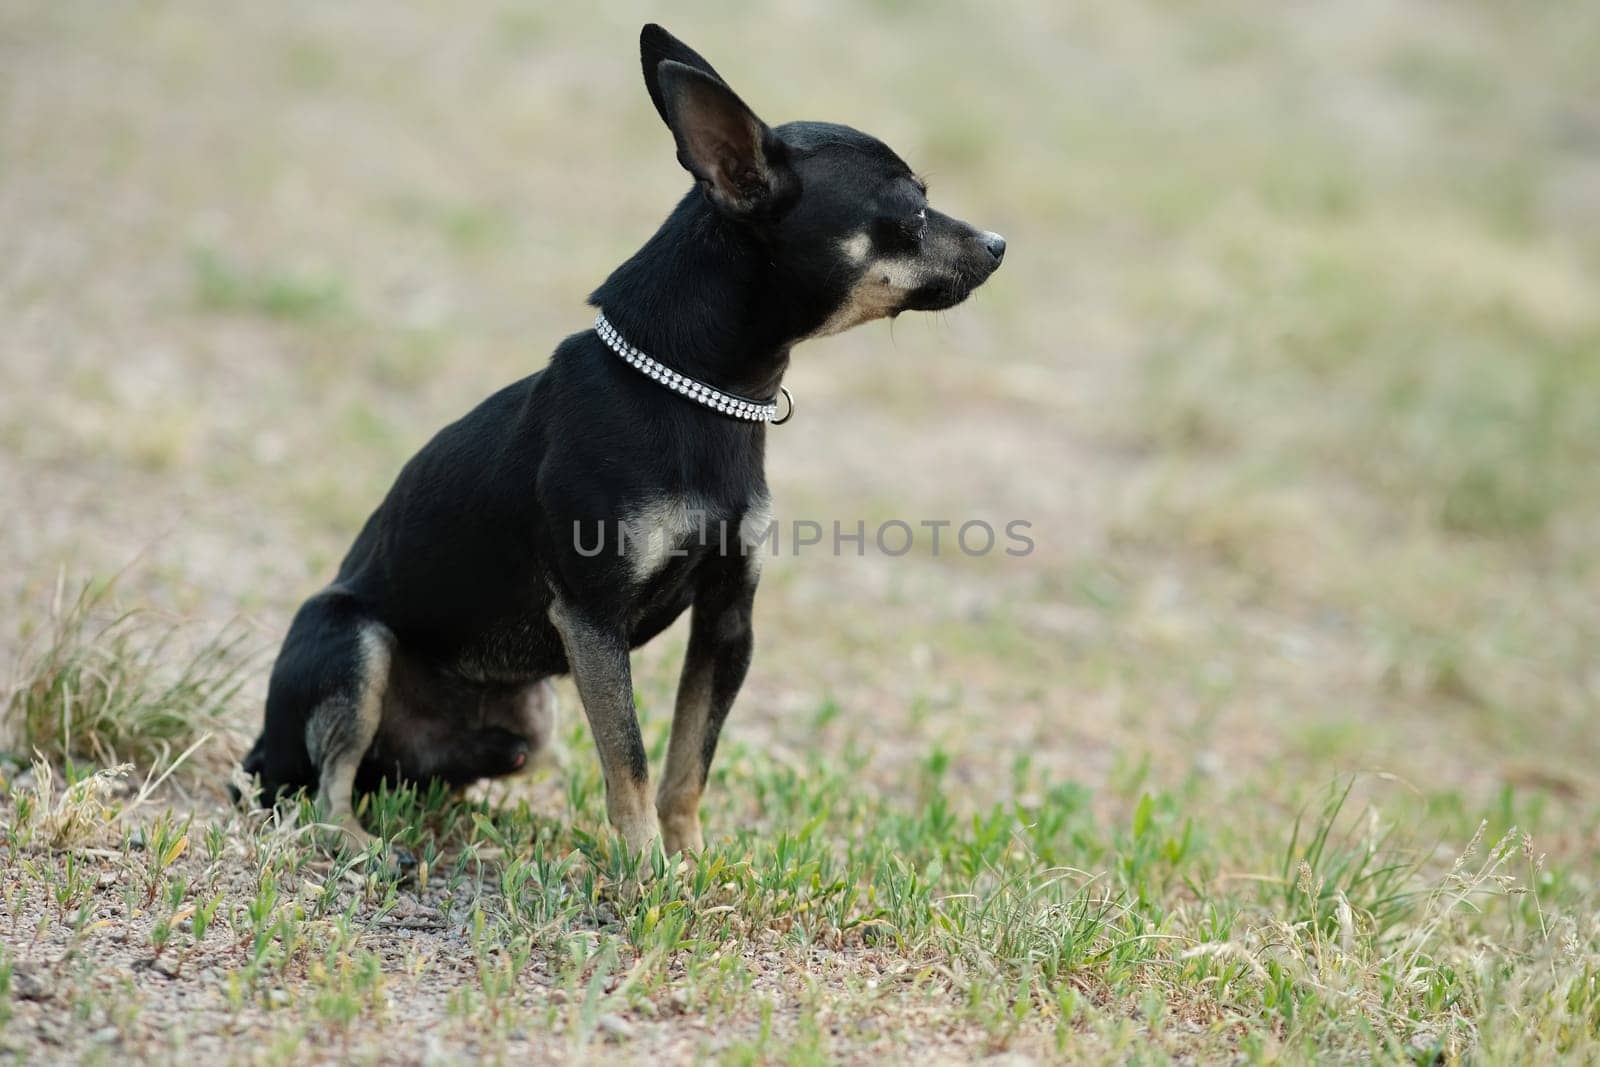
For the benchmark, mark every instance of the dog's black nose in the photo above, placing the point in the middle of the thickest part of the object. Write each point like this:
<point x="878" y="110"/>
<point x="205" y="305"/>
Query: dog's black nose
<point x="996" y="246"/>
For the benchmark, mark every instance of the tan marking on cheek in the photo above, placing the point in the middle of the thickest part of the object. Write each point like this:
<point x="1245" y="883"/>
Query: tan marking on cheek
<point x="857" y="248"/>
<point x="882" y="289"/>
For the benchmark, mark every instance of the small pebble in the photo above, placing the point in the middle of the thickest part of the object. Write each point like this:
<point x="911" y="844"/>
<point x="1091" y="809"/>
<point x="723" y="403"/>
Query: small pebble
<point x="28" y="984"/>
<point x="615" y="1027"/>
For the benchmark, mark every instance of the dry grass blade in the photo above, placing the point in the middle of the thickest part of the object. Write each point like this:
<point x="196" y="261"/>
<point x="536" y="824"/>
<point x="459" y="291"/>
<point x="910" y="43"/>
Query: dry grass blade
<point x="105" y="685"/>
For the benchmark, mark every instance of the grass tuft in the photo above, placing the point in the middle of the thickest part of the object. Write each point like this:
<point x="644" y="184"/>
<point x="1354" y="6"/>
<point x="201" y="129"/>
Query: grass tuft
<point x="223" y="285"/>
<point x="106" y="685"/>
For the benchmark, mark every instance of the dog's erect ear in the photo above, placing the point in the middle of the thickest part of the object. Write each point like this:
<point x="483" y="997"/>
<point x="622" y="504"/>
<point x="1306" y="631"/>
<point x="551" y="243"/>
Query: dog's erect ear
<point x="743" y="167"/>
<point x="657" y="45"/>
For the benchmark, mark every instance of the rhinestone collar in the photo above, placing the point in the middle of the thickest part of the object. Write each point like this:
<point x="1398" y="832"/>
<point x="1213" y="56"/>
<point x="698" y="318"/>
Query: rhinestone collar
<point x="729" y="404"/>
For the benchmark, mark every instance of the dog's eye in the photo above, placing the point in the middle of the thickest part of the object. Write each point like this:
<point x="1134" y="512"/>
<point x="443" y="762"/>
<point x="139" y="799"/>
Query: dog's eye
<point x="903" y="230"/>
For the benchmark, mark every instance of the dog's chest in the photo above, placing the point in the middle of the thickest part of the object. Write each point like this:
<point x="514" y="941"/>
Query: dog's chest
<point x="664" y="533"/>
<point x="671" y="541"/>
<point x="669" y="534"/>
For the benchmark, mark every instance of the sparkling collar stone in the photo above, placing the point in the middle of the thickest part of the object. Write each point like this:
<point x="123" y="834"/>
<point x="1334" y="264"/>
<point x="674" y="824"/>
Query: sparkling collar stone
<point x="735" y="407"/>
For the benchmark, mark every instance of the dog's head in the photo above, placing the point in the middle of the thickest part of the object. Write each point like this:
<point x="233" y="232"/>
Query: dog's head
<point x="846" y="221"/>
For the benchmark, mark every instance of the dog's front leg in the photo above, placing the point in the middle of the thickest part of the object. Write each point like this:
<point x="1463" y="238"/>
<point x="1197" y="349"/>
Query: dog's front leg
<point x="720" y="644"/>
<point x="598" y="656"/>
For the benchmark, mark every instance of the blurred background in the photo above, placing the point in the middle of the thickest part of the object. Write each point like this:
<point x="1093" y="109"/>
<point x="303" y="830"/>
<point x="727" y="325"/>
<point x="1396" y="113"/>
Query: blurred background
<point x="1294" y="364"/>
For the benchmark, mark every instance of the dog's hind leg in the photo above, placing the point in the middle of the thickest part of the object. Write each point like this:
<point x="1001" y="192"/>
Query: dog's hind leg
<point x="340" y="730"/>
<point x="720" y="645"/>
<point x="598" y="656"/>
<point x="320" y="664"/>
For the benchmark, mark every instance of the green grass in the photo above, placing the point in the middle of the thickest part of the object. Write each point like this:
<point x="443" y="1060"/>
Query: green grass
<point x="223" y="285"/>
<point x="1342" y="933"/>
<point x="101" y="684"/>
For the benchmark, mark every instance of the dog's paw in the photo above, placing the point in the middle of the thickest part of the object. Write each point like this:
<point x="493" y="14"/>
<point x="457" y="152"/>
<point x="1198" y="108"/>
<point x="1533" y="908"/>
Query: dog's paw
<point x="681" y="834"/>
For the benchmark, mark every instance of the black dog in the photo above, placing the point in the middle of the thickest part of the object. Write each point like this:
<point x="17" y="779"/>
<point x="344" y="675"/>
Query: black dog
<point x="476" y="579"/>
